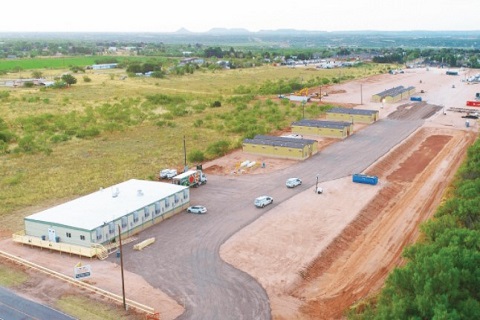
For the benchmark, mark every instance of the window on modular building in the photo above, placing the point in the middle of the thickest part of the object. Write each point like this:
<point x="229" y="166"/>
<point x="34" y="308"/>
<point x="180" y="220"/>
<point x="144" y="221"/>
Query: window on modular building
<point x="124" y="222"/>
<point x="157" y="207"/>
<point x="167" y="203"/>
<point x="185" y="194"/>
<point x="99" y="233"/>
<point x="111" y="227"/>
<point x="69" y="235"/>
<point x="82" y="237"/>
<point x="176" y="198"/>
<point x="135" y="217"/>
<point x="146" y="212"/>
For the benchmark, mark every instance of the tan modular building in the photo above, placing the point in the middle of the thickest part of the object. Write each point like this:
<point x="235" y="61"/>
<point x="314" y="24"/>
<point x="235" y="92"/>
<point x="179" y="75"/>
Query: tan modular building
<point x="93" y="220"/>
<point x="322" y="128"/>
<point x="394" y="94"/>
<point x="353" y="115"/>
<point x="281" y="147"/>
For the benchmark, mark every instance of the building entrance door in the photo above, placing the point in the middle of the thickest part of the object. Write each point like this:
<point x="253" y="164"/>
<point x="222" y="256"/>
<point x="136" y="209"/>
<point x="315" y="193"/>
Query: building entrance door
<point x="51" y="234"/>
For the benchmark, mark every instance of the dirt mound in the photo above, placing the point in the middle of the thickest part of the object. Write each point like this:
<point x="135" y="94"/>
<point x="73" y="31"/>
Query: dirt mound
<point x="214" y="169"/>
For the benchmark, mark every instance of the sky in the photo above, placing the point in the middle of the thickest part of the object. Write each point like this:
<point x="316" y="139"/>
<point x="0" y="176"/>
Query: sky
<point x="253" y="15"/>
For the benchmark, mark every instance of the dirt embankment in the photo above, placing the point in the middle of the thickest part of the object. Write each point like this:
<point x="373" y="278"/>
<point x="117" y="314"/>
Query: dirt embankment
<point x="356" y="263"/>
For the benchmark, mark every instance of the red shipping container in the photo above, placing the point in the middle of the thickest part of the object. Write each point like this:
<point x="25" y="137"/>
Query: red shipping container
<point x="473" y="103"/>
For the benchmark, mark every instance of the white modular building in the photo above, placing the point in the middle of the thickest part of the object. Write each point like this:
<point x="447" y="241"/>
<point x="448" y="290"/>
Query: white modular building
<point x="94" y="219"/>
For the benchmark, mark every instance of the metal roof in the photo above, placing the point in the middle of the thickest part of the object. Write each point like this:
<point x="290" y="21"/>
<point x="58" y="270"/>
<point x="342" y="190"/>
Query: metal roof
<point x="322" y="124"/>
<point x="280" y="141"/>
<point x="352" y="111"/>
<point x="287" y="139"/>
<point x="93" y="210"/>
<point x="394" y="91"/>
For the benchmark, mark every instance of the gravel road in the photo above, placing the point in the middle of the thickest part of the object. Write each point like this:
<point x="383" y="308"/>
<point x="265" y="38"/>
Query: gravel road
<point x="184" y="261"/>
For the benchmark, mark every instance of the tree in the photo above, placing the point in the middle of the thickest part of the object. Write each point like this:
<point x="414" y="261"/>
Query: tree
<point x="69" y="79"/>
<point x="37" y="74"/>
<point x="441" y="280"/>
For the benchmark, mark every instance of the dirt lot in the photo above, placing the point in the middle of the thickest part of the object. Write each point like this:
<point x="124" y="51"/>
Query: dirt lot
<point x="314" y="262"/>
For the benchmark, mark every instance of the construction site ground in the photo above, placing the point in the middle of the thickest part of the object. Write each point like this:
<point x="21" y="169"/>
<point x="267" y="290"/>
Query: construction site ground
<point x="314" y="255"/>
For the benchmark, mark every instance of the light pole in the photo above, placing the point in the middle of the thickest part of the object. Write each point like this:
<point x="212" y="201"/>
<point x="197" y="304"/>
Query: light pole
<point x="303" y="108"/>
<point x="316" y="185"/>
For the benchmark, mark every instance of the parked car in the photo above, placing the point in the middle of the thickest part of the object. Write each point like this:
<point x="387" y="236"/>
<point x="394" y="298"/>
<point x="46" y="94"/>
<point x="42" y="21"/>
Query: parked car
<point x="293" y="182"/>
<point x="263" y="201"/>
<point x="197" y="209"/>
<point x="163" y="173"/>
<point x="172" y="173"/>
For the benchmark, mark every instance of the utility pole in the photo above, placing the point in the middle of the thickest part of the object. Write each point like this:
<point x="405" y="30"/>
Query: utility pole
<point x="361" y="94"/>
<point x="184" y="155"/>
<point x="121" y="266"/>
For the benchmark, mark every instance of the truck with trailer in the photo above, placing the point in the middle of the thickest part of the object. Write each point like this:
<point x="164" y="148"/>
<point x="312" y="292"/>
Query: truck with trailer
<point x="190" y="178"/>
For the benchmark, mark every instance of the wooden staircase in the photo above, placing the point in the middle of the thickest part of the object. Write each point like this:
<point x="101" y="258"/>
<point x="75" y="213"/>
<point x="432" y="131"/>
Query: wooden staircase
<point x="102" y="252"/>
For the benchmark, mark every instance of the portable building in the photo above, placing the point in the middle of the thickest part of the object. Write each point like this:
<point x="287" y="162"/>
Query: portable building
<point x="394" y="94"/>
<point x="296" y="98"/>
<point x="281" y="147"/>
<point x="104" y="66"/>
<point x="353" y="115"/>
<point x="94" y="218"/>
<point x="323" y="128"/>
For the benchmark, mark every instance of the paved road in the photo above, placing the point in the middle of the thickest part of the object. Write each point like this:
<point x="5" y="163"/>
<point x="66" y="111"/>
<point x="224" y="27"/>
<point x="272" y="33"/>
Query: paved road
<point x="14" y="307"/>
<point x="184" y="261"/>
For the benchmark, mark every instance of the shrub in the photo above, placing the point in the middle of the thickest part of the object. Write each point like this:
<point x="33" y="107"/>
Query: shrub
<point x="219" y="148"/>
<point x="4" y="95"/>
<point x="88" y="133"/>
<point x="216" y="104"/>
<point x="196" y="156"/>
<point x="59" y="84"/>
<point x="27" y="144"/>
<point x="6" y="136"/>
<point x="61" y="137"/>
<point x="87" y="79"/>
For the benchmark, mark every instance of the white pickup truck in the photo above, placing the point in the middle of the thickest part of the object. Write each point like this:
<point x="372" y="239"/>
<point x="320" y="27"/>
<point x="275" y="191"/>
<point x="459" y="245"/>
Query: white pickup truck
<point x="168" y="173"/>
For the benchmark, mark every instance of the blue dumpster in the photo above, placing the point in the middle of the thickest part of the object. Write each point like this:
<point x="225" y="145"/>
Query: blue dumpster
<point x="363" y="178"/>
